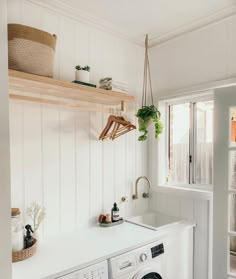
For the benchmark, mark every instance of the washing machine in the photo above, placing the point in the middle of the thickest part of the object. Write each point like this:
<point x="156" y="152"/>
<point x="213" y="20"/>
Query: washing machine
<point x="96" y="271"/>
<point x="147" y="262"/>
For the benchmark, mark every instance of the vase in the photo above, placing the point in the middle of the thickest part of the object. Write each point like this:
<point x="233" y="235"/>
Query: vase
<point x="82" y="75"/>
<point x="36" y="235"/>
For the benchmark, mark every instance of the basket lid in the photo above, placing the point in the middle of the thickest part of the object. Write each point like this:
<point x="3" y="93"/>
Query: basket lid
<point x="15" y="212"/>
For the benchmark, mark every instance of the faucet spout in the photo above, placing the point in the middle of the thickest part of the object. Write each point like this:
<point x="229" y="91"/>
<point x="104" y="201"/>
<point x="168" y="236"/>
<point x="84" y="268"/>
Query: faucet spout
<point x="145" y="195"/>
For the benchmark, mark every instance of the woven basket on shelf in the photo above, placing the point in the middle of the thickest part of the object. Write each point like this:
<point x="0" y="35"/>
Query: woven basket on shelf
<point x="31" y="50"/>
<point x="24" y="254"/>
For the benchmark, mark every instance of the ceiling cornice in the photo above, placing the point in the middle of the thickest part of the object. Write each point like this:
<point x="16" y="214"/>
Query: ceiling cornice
<point x="85" y="18"/>
<point x="103" y="25"/>
<point x="194" y="25"/>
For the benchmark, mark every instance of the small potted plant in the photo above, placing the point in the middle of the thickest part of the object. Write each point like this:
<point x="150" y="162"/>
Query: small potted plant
<point x="82" y="73"/>
<point x="146" y="116"/>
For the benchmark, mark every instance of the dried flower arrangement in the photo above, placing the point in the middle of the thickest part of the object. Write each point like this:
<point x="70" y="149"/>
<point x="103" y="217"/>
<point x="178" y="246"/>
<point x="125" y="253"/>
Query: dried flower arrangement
<point x="37" y="213"/>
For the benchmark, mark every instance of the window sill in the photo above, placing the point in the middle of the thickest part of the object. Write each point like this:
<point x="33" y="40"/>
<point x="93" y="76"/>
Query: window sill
<point x="198" y="192"/>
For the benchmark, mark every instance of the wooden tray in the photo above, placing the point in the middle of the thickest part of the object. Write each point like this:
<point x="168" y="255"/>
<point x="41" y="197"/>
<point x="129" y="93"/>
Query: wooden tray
<point x="84" y="83"/>
<point x="111" y="224"/>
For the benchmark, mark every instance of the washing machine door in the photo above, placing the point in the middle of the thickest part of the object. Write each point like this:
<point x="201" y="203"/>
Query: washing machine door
<point x="148" y="273"/>
<point x="152" y="275"/>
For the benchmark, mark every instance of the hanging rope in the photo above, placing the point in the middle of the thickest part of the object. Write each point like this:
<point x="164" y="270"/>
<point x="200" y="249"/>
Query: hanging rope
<point x="146" y="76"/>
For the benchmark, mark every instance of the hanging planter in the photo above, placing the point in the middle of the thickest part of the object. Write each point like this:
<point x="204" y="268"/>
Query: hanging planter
<point x="148" y="114"/>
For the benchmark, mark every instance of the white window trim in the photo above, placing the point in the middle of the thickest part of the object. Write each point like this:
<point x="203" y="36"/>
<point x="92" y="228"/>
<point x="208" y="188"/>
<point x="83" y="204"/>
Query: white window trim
<point x="162" y="147"/>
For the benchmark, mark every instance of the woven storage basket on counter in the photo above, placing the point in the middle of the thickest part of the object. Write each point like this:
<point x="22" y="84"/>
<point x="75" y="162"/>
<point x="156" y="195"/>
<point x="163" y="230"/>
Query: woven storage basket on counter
<point x="31" y="50"/>
<point x="24" y="254"/>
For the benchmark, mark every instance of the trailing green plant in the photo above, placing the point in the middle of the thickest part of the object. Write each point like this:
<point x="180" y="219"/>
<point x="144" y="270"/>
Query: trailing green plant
<point x="148" y="114"/>
<point x="85" y="68"/>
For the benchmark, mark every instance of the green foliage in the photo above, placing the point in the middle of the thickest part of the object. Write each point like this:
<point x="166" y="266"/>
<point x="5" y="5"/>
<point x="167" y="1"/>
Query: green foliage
<point x="85" y="68"/>
<point x="146" y="115"/>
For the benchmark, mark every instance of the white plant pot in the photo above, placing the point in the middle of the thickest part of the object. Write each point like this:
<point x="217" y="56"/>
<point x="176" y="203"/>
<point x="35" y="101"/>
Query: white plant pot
<point x="82" y="75"/>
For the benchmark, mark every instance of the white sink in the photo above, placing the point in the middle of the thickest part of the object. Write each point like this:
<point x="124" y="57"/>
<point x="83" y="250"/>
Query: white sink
<point x="154" y="220"/>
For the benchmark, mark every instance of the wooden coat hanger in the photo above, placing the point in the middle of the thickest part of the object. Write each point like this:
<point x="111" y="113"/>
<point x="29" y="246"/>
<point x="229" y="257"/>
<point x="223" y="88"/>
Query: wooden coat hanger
<point x="108" y="126"/>
<point x="120" y="127"/>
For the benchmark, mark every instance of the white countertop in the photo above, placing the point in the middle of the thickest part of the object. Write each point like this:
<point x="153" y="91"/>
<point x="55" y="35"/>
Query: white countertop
<point x="74" y="251"/>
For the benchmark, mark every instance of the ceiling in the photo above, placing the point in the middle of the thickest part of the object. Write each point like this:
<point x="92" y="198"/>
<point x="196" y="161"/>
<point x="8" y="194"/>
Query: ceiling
<point x="161" y="19"/>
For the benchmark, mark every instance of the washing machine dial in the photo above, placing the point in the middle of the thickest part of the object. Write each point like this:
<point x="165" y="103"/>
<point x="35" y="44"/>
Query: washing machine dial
<point x="143" y="257"/>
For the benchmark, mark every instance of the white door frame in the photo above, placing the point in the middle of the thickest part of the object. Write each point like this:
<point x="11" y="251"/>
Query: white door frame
<point x="224" y="99"/>
<point x="5" y="187"/>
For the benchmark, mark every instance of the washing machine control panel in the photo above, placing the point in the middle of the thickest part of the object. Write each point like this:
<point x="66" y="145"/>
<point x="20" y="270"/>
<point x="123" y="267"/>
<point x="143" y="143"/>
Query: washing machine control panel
<point x="143" y="257"/>
<point x="129" y="263"/>
<point x="97" y="271"/>
<point x="157" y="250"/>
<point x="147" y="254"/>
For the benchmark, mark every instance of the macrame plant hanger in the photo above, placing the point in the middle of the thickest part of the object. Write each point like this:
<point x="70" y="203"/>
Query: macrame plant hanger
<point x="146" y="77"/>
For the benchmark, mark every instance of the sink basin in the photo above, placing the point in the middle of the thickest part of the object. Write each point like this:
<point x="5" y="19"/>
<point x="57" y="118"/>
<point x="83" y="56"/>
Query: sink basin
<point x="154" y="220"/>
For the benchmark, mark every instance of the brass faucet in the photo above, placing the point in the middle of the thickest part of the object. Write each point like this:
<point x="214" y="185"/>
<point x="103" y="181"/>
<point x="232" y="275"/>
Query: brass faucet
<point x="145" y="195"/>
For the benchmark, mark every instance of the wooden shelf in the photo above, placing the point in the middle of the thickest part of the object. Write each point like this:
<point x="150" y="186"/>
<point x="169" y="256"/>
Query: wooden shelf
<point x="23" y="86"/>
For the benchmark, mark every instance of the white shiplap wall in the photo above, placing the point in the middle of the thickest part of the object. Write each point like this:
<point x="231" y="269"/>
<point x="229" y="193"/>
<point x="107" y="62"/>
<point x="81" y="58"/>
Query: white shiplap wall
<point x="56" y="157"/>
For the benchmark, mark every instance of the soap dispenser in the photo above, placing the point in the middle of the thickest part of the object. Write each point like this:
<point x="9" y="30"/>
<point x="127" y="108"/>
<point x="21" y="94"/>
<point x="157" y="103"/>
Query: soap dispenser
<point x="29" y="241"/>
<point x="115" y="213"/>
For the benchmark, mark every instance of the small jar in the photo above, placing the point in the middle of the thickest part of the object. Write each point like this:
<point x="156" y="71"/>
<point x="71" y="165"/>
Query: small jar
<point x="108" y="218"/>
<point x="17" y="231"/>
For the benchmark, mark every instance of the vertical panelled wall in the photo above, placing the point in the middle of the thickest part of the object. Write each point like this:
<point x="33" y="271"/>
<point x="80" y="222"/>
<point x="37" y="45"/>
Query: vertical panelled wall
<point x="56" y="158"/>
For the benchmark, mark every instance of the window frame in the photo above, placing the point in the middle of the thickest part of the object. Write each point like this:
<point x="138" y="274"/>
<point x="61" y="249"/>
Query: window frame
<point x="163" y="157"/>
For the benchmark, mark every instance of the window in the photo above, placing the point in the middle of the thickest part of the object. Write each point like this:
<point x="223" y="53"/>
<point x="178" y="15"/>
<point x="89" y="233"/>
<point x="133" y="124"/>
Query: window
<point x="190" y="143"/>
